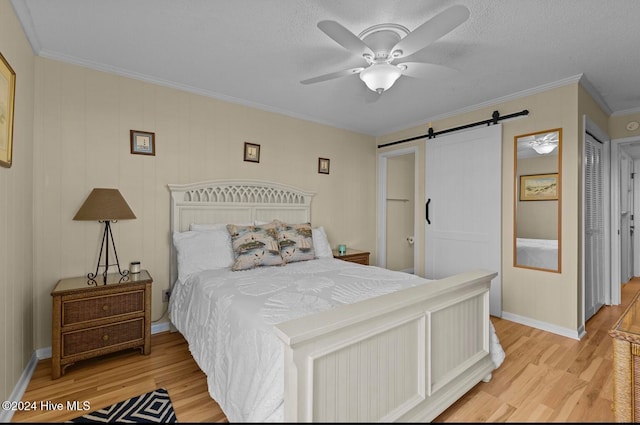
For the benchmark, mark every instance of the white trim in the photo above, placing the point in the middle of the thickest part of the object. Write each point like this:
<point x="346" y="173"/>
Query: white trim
<point x="41" y="354"/>
<point x="24" y="16"/>
<point x="524" y="93"/>
<point x="586" y="84"/>
<point x="636" y="209"/>
<point x="184" y="87"/>
<point x="20" y="388"/>
<point x="593" y="128"/>
<point x="626" y="112"/>
<point x="382" y="204"/>
<point x="616" y="285"/>
<point x="157" y="328"/>
<point x="548" y="327"/>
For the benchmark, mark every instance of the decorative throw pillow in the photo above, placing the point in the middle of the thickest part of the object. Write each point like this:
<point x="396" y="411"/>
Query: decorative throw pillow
<point x="296" y="242"/>
<point x="254" y="246"/>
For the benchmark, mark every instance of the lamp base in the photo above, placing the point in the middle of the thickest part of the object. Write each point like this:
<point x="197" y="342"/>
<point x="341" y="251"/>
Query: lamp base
<point x="104" y="246"/>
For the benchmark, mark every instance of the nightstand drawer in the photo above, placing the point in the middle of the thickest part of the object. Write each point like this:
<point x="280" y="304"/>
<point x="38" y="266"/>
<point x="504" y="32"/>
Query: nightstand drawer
<point x="102" y="336"/>
<point x="360" y="259"/>
<point x="353" y="256"/>
<point x="88" y="309"/>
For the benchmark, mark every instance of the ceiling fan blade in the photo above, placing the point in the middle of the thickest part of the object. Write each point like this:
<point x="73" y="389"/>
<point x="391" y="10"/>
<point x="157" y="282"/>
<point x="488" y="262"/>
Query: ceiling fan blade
<point x="345" y="38"/>
<point x="432" y="30"/>
<point x="332" y="75"/>
<point x="425" y="70"/>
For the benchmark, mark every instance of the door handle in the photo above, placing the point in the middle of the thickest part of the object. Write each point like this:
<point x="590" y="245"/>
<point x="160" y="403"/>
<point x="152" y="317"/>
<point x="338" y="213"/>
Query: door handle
<point x="426" y="208"/>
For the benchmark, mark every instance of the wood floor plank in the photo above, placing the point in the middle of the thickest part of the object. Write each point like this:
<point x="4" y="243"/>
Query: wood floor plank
<point x="544" y="378"/>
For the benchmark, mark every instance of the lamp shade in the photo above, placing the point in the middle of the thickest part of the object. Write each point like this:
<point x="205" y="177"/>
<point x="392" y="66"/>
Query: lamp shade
<point x="104" y="204"/>
<point x="380" y="77"/>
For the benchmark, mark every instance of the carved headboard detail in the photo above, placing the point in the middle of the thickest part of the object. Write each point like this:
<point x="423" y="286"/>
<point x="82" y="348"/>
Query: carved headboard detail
<point x="233" y="202"/>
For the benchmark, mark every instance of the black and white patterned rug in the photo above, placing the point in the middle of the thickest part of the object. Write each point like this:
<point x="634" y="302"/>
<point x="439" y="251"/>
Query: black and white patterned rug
<point x="152" y="407"/>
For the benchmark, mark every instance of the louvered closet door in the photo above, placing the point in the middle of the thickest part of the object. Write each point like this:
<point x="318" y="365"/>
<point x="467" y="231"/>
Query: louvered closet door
<point x="593" y="226"/>
<point x="463" y="188"/>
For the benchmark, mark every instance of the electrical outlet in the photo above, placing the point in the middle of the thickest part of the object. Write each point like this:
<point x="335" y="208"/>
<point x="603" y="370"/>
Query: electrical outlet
<point x="165" y="295"/>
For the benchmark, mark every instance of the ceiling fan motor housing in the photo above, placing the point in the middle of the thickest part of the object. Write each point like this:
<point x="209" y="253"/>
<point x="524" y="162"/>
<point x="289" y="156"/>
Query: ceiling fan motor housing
<point x="381" y="39"/>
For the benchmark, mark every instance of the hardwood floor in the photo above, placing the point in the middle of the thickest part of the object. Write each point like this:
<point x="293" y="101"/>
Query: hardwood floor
<point x="544" y="378"/>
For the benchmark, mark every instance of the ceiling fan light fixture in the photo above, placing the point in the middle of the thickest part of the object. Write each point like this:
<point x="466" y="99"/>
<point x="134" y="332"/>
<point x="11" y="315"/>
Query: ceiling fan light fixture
<point x="543" y="148"/>
<point x="380" y="76"/>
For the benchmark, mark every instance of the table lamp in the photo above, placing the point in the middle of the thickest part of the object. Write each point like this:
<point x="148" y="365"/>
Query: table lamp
<point x="105" y="205"/>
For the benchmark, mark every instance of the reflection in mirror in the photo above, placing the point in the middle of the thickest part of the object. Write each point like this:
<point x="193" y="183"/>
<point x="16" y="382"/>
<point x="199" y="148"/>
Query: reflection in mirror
<point x="537" y="200"/>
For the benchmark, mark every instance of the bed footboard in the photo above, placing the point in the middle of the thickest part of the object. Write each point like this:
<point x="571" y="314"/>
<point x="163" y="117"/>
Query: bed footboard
<point x="405" y="356"/>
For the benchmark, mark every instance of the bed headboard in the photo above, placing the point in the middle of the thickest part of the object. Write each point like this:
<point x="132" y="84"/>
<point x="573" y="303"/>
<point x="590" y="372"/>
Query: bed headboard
<point x="233" y="201"/>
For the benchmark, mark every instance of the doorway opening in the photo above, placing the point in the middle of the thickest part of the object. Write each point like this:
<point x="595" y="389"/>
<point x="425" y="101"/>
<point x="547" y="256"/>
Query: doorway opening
<point x="625" y="205"/>
<point x="397" y="184"/>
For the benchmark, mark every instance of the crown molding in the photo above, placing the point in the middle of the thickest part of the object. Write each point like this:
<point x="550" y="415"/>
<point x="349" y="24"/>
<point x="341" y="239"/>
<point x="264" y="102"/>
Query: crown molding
<point x="627" y="112"/>
<point x="24" y="16"/>
<point x="586" y="84"/>
<point x="524" y="93"/>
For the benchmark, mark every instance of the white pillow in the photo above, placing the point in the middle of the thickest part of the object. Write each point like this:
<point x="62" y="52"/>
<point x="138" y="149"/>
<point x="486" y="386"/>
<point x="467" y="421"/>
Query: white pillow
<point x="198" y="251"/>
<point x="214" y="226"/>
<point x="321" y="243"/>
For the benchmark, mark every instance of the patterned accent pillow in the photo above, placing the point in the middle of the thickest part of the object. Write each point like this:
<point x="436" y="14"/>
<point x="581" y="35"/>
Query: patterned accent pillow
<point x="296" y="242"/>
<point x="254" y="246"/>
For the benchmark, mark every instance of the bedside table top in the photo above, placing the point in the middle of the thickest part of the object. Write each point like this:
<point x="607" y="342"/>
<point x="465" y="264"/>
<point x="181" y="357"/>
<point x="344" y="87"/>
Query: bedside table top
<point x="79" y="283"/>
<point x="350" y="251"/>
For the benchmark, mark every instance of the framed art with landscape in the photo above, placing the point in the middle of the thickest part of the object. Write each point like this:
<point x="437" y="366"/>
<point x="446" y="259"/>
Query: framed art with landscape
<point x="539" y="187"/>
<point x="7" y="100"/>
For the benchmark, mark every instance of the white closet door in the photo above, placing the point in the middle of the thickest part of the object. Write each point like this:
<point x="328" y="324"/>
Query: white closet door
<point x="626" y="212"/>
<point x="463" y="212"/>
<point x="594" y="227"/>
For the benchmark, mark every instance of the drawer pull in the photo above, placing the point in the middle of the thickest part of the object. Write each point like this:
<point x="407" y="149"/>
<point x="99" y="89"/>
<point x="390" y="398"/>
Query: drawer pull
<point x="105" y="307"/>
<point x="105" y="337"/>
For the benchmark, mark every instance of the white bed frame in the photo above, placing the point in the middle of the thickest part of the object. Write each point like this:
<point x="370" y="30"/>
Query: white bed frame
<point x="405" y="356"/>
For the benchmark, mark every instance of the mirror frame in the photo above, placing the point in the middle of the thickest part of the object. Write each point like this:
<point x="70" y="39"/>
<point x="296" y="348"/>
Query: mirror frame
<point x="516" y="200"/>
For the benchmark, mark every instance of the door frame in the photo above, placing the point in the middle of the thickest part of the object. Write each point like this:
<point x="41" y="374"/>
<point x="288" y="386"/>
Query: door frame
<point x="593" y="128"/>
<point x="382" y="202"/>
<point x="615" y="284"/>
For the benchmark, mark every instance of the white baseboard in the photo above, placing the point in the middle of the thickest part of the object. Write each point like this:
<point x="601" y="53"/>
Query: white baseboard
<point x="558" y="330"/>
<point x="19" y="389"/>
<point x="45" y="353"/>
<point x="156" y="328"/>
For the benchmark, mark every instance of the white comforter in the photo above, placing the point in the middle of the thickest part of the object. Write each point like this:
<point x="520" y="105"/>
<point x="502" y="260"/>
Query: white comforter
<point x="542" y="253"/>
<point x="227" y="318"/>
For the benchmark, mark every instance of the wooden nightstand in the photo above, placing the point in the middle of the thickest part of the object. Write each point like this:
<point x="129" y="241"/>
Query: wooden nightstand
<point x="89" y="321"/>
<point x="354" y="256"/>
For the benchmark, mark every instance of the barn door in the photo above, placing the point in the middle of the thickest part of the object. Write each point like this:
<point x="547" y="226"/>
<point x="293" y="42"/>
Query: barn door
<point x="463" y="206"/>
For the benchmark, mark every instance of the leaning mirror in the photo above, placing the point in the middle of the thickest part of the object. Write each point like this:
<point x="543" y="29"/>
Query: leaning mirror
<point x="537" y="200"/>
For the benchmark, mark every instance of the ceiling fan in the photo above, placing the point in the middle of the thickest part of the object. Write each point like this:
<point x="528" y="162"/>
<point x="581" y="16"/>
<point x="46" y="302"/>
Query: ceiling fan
<point x="381" y="45"/>
<point x="544" y="144"/>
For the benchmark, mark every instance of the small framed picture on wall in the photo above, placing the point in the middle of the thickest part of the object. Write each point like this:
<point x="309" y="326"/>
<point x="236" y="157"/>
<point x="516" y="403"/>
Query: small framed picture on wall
<point x="323" y="165"/>
<point x="251" y="152"/>
<point x="143" y="142"/>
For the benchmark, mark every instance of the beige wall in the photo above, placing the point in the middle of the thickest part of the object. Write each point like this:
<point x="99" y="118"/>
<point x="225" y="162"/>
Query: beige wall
<point x="71" y="134"/>
<point x="400" y="211"/>
<point x="82" y="123"/>
<point x="618" y="126"/>
<point x="16" y="212"/>
<point x="537" y="220"/>
<point x="551" y="298"/>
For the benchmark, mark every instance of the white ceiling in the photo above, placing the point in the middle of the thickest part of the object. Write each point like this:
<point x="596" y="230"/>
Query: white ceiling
<point x="256" y="52"/>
